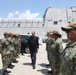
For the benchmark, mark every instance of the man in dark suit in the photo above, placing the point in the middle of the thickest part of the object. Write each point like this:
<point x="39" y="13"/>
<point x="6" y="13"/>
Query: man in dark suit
<point x="33" y="45"/>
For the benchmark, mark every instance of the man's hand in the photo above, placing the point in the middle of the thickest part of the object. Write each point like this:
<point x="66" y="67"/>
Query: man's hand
<point x="37" y="50"/>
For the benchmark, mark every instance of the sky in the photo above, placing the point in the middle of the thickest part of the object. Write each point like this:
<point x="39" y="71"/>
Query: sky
<point x="30" y="9"/>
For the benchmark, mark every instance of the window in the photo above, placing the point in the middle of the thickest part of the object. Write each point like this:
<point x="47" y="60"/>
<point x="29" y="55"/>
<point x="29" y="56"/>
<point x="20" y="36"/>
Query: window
<point x="18" y="25"/>
<point x="73" y="10"/>
<point x="55" y="22"/>
<point x="43" y="25"/>
<point x="60" y="20"/>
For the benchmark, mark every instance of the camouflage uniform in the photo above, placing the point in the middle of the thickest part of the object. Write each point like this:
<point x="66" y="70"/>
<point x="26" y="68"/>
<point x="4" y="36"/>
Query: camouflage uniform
<point x="48" y="44"/>
<point x="5" y="53"/>
<point x="12" y="49"/>
<point x="19" y="45"/>
<point x="55" y="52"/>
<point x="68" y="66"/>
<point x="16" y="46"/>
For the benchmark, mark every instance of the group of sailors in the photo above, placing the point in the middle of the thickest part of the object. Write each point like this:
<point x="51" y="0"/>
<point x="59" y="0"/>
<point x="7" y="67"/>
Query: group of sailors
<point x="10" y="49"/>
<point x="62" y="61"/>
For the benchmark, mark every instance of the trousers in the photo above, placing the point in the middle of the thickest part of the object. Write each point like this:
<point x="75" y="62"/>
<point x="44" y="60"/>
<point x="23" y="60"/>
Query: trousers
<point x="33" y="56"/>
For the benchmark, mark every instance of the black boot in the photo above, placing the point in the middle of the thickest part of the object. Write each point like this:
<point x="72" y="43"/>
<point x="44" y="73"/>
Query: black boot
<point x="11" y="66"/>
<point x="6" y="72"/>
<point x="15" y="61"/>
<point x="33" y="66"/>
<point x="50" y="72"/>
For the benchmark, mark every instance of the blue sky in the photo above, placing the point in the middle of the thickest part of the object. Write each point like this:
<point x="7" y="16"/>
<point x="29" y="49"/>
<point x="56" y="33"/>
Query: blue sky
<point x="30" y="9"/>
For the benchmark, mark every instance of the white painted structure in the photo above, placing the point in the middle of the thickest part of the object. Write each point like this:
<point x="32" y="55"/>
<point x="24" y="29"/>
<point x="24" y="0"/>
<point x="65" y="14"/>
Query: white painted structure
<point x="53" y="19"/>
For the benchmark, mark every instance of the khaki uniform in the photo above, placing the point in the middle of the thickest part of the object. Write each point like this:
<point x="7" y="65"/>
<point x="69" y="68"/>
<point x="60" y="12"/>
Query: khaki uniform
<point x="68" y="66"/>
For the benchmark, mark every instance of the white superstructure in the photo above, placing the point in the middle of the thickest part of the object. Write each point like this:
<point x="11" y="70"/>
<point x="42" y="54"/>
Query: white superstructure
<point x="53" y="19"/>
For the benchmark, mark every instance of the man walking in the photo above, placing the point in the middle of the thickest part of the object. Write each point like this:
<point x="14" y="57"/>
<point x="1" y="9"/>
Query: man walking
<point x="33" y="45"/>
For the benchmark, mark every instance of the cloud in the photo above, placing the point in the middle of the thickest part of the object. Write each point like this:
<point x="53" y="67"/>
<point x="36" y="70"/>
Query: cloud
<point x="0" y="18"/>
<point x="10" y="15"/>
<point x="24" y="15"/>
